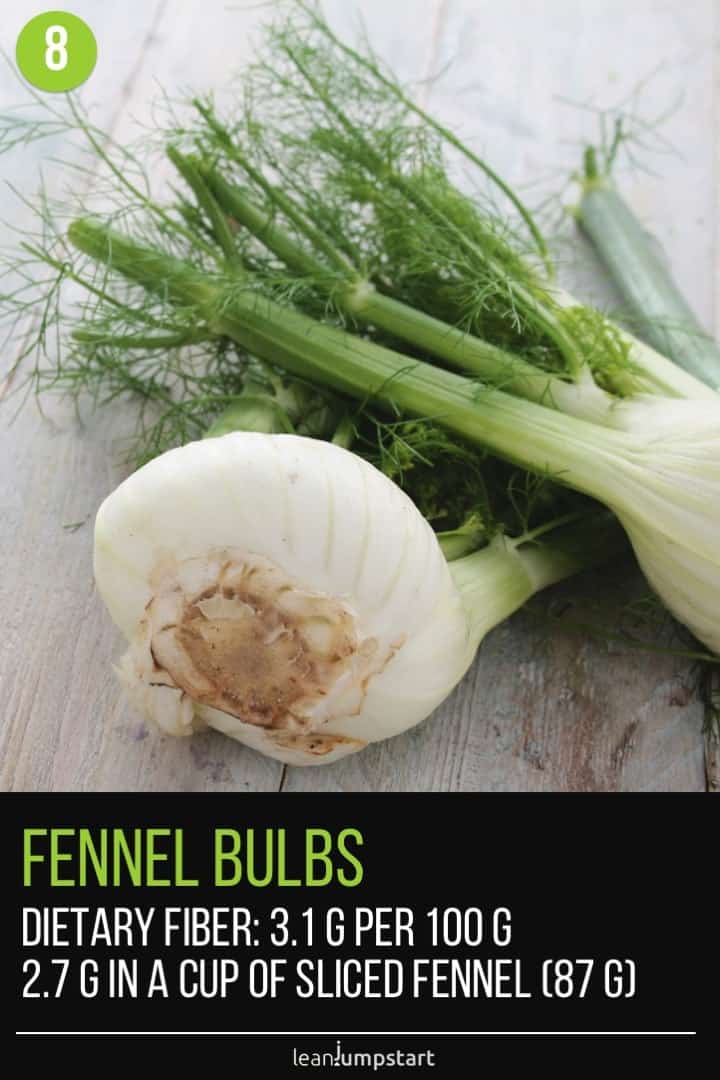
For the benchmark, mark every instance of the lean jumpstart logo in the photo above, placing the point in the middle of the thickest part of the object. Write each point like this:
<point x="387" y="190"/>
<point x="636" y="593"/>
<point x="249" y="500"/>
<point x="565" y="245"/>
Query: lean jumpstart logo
<point x="362" y="1059"/>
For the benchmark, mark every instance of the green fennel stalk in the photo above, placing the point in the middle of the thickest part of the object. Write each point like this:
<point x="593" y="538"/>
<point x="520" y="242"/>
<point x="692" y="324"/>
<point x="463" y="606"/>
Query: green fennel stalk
<point x="381" y="209"/>
<point x="658" y="310"/>
<point x="359" y="299"/>
<point x="537" y="438"/>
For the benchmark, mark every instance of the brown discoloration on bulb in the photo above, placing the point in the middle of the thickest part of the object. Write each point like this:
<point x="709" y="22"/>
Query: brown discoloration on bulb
<point x="317" y="745"/>
<point x="234" y="633"/>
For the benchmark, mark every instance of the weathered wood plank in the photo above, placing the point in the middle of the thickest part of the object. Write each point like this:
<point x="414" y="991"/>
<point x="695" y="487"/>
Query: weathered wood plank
<point x="52" y="709"/>
<point x="65" y="724"/>
<point x="539" y="711"/>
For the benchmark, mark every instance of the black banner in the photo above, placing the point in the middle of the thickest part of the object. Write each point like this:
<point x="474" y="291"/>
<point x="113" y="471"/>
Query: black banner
<point x="357" y="924"/>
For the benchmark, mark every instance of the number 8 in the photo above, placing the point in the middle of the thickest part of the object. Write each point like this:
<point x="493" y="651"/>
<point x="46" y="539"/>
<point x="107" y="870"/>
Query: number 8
<point x="56" y="56"/>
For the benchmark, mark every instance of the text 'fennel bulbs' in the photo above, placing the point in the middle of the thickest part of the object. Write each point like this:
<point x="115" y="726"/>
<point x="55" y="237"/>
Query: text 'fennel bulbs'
<point x="284" y="591"/>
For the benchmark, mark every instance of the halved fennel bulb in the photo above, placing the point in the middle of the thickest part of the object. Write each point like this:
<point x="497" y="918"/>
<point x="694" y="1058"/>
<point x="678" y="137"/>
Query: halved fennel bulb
<point x="281" y="590"/>
<point x="287" y="593"/>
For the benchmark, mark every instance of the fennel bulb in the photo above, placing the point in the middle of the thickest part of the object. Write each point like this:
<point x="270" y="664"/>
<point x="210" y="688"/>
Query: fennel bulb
<point x="284" y="591"/>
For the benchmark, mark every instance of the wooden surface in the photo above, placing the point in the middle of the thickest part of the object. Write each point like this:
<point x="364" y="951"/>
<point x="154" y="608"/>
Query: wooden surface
<point x="542" y="708"/>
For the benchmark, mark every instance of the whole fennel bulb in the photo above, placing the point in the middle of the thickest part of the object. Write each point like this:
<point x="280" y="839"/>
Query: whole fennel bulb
<point x="322" y="590"/>
<point x="666" y="492"/>
<point x="284" y="591"/>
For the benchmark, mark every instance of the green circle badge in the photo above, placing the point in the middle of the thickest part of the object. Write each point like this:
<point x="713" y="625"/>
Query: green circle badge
<point x="56" y="51"/>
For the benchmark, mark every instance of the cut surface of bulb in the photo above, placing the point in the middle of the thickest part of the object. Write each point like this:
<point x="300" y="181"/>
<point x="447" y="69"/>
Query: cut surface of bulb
<point x="281" y="590"/>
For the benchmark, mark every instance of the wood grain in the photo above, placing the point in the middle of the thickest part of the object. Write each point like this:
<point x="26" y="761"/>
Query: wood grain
<point x="543" y="708"/>
<point x="66" y="726"/>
